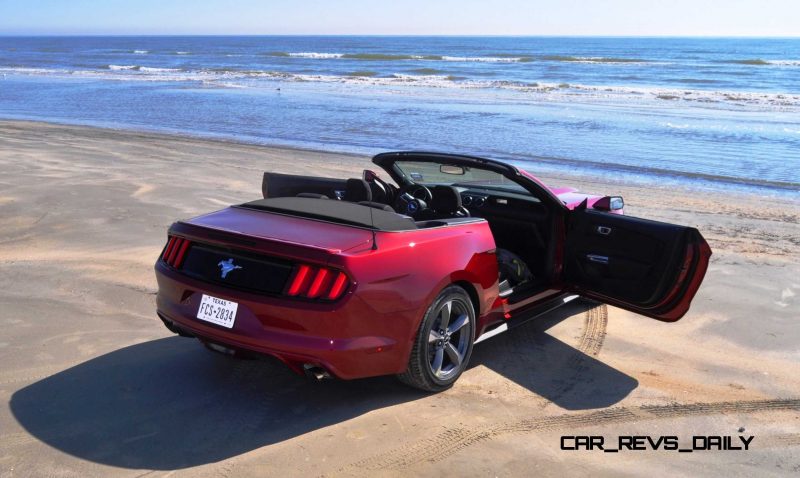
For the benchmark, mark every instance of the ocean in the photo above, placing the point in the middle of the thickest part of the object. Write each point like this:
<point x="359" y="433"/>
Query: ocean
<point x="710" y="113"/>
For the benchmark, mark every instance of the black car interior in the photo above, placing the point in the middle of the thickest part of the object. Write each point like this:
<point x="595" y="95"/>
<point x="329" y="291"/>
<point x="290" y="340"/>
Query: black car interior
<point x="521" y="225"/>
<point x="340" y="212"/>
<point x="522" y="228"/>
<point x="445" y="203"/>
<point x="312" y="196"/>
<point x="631" y="260"/>
<point x="357" y="190"/>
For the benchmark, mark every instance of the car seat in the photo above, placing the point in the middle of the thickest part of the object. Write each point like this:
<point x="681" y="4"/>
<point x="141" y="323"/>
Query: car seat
<point x="357" y="190"/>
<point x="446" y="203"/>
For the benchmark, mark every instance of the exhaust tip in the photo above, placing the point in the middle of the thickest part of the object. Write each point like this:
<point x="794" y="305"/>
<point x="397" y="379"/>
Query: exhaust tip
<point x="315" y="371"/>
<point x="220" y="349"/>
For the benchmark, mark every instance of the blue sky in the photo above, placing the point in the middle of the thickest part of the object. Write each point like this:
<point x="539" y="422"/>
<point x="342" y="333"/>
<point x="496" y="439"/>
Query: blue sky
<point x="431" y="17"/>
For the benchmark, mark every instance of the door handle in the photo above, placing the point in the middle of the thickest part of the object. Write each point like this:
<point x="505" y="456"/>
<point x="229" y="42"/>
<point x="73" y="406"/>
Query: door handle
<point x="597" y="258"/>
<point x="604" y="230"/>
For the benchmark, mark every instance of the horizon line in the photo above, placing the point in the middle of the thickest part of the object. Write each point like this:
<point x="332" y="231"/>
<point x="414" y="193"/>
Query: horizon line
<point x="486" y="35"/>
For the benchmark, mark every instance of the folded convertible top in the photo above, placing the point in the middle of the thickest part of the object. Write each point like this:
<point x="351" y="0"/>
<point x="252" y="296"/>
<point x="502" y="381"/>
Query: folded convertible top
<point x="340" y="212"/>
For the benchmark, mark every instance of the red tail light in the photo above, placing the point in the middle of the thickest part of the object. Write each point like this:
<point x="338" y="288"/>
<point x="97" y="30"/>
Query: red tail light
<point x="319" y="280"/>
<point x="339" y="285"/>
<point x="299" y="282"/>
<point x="175" y="251"/>
<point x="170" y="246"/>
<point x="317" y="283"/>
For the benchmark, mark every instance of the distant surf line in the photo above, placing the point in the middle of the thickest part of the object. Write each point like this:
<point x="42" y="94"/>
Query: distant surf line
<point x="227" y="77"/>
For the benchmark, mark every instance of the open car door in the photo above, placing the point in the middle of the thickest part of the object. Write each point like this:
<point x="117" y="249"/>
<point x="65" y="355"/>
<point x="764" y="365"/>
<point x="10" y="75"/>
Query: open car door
<point x="648" y="267"/>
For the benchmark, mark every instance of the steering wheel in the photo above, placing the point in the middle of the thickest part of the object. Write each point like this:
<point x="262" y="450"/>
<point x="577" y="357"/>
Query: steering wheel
<point x="412" y="199"/>
<point x="417" y="191"/>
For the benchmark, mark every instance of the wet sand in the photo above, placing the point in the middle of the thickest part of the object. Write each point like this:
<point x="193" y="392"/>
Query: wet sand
<point x="93" y="385"/>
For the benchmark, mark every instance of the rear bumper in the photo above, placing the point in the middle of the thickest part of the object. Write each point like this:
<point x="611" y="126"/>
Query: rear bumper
<point x="348" y="338"/>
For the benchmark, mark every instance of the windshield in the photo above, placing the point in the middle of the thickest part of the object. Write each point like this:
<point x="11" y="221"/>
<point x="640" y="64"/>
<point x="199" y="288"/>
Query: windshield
<point x="433" y="173"/>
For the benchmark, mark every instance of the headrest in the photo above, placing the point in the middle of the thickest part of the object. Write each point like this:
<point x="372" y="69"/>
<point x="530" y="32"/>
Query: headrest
<point x="357" y="190"/>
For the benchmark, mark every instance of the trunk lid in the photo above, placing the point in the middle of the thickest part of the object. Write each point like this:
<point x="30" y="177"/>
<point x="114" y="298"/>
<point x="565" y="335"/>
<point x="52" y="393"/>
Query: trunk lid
<point x="267" y="226"/>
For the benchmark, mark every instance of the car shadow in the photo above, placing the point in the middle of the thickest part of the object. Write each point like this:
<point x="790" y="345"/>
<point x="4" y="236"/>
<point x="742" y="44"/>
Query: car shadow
<point x="167" y="404"/>
<point x="570" y="377"/>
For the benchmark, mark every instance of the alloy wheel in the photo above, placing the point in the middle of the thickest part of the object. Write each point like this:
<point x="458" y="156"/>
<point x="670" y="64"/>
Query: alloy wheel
<point x="449" y="339"/>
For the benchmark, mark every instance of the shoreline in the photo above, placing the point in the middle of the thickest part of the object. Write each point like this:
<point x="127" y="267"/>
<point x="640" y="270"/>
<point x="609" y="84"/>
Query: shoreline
<point x="242" y="164"/>
<point x="659" y="179"/>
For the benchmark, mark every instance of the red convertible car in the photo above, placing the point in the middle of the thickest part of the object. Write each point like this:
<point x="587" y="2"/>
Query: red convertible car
<point x="362" y="277"/>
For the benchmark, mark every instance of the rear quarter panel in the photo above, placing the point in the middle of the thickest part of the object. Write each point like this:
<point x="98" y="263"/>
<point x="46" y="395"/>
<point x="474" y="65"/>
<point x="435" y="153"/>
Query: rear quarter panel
<point x="408" y="270"/>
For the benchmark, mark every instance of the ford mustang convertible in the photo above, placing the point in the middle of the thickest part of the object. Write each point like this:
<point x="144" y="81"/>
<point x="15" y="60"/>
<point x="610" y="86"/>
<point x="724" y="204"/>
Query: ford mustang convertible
<point x="367" y="276"/>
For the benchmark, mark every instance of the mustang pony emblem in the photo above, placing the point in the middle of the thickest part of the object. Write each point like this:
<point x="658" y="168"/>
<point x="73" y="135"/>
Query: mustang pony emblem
<point x="227" y="266"/>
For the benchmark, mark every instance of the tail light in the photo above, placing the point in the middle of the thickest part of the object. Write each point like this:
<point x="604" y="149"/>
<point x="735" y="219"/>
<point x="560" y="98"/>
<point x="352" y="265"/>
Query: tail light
<point x="175" y="251"/>
<point x="318" y="283"/>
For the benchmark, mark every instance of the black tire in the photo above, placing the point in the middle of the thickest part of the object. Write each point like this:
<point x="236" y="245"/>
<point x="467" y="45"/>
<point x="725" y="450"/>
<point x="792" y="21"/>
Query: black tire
<point x="454" y="346"/>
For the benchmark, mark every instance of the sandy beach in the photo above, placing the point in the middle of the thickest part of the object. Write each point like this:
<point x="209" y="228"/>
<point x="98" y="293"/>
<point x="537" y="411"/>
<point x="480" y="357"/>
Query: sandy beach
<point x="92" y="384"/>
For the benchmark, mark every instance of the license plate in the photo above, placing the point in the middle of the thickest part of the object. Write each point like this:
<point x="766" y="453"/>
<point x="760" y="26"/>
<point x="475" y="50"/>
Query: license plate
<point x="217" y="311"/>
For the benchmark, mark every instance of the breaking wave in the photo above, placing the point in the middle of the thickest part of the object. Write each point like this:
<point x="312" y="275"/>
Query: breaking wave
<point x="143" y="69"/>
<point x="592" y="59"/>
<point x="499" y="58"/>
<point x="761" y="62"/>
<point x="320" y="56"/>
<point x="490" y="59"/>
<point x="431" y="78"/>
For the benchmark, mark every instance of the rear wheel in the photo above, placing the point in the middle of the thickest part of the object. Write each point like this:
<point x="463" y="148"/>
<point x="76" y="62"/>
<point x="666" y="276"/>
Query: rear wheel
<point x="444" y="342"/>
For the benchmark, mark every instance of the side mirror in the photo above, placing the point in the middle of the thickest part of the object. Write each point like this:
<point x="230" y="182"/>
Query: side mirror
<point x="609" y="203"/>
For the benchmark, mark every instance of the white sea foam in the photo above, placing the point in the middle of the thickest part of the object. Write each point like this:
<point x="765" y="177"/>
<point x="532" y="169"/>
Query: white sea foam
<point x="675" y="126"/>
<point x="29" y="71"/>
<point x="223" y="84"/>
<point x="784" y="62"/>
<point x="148" y="69"/>
<point x="486" y="59"/>
<point x="393" y="57"/>
<point x="141" y="52"/>
<point x="534" y="91"/>
<point x="182" y="53"/>
<point x="600" y="59"/>
<point x="319" y="56"/>
<point x="142" y="69"/>
<point x="414" y="78"/>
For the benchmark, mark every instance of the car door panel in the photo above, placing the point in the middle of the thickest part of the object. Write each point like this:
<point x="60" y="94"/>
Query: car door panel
<point x="649" y="267"/>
